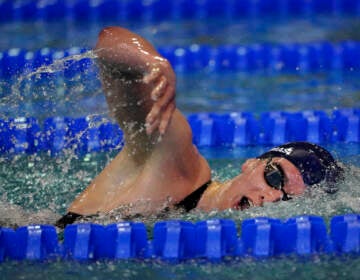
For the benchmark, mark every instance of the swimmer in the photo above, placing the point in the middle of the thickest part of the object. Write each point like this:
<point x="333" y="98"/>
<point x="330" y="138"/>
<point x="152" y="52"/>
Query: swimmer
<point x="159" y="167"/>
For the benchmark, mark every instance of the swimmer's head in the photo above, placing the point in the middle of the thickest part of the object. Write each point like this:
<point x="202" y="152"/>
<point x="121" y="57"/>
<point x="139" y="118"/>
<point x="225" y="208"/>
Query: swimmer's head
<point x="315" y="164"/>
<point x="279" y="174"/>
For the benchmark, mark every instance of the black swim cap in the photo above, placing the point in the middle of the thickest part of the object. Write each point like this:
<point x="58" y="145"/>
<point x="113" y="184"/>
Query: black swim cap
<point x="314" y="163"/>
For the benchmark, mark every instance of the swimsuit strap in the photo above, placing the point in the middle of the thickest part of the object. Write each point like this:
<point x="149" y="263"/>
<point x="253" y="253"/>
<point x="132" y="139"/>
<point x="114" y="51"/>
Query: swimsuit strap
<point x="67" y="219"/>
<point x="191" y="201"/>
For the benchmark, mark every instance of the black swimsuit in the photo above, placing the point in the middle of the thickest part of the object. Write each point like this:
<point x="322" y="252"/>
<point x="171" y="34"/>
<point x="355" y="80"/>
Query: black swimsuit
<point x="187" y="204"/>
<point x="191" y="201"/>
<point x="67" y="219"/>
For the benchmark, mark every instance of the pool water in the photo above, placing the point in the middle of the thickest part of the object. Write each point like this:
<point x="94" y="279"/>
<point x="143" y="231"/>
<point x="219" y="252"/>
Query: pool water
<point x="261" y="92"/>
<point x="319" y="267"/>
<point x="64" y="34"/>
<point x="224" y="93"/>
<point x="38" y="188"/>
<point x="44" y="186"/>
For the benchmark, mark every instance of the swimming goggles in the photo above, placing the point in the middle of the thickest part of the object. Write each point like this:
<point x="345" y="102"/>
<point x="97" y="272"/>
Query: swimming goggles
<point x="275" y="177"/>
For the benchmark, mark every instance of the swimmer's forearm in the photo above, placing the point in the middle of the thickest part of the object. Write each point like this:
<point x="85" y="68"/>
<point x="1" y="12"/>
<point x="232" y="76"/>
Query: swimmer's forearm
<point x="119" y="50"/>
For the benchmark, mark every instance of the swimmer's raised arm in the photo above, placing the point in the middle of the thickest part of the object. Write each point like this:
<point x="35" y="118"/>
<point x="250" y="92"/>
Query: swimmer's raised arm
<point x="139" y="86"/>
<point x="128" y="57"/>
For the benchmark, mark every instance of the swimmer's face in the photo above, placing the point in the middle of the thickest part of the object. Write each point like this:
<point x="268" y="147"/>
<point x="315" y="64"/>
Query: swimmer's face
<point x="250" y="187"/>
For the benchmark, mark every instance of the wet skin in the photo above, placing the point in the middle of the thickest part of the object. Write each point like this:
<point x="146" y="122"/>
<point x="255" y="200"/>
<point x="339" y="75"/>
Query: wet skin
<point x="159" y="165"/>
<point x="249" y="188"/>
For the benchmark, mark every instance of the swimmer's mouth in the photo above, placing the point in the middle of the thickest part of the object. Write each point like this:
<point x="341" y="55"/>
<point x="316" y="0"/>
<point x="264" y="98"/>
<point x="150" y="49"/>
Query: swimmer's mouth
<point x="244" y="203"/>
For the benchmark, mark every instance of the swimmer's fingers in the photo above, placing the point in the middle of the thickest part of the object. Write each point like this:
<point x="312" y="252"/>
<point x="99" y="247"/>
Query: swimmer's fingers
<point x="168" y="107"/>
<point x="152" y="76"/>
<point x="159" y="105"/>
<point x="163" y="95"/>
<point x="159" y="89"/>
<point x="151" y="127"/>
<point x="160" y="113"/>
<point x="166" y="117"/>
<point x="168" y="95"/>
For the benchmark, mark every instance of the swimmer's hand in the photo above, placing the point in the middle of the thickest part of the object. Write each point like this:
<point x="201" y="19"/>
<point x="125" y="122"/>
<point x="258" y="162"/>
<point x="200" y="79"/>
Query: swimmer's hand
<point x="163" y="78"/>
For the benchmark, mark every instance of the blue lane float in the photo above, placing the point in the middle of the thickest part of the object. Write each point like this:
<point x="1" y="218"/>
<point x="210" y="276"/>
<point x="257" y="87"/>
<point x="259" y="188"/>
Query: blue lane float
<point x="272" y="128"/>
<point x="126" y="240"/>
<point x="271" y="58"/>
<point x="93" y="133"/>
<point x="157" y="10"/>
<point x="345" y="233"/>
<point x="175" y="241"/>
<point x="33" y="242"/>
